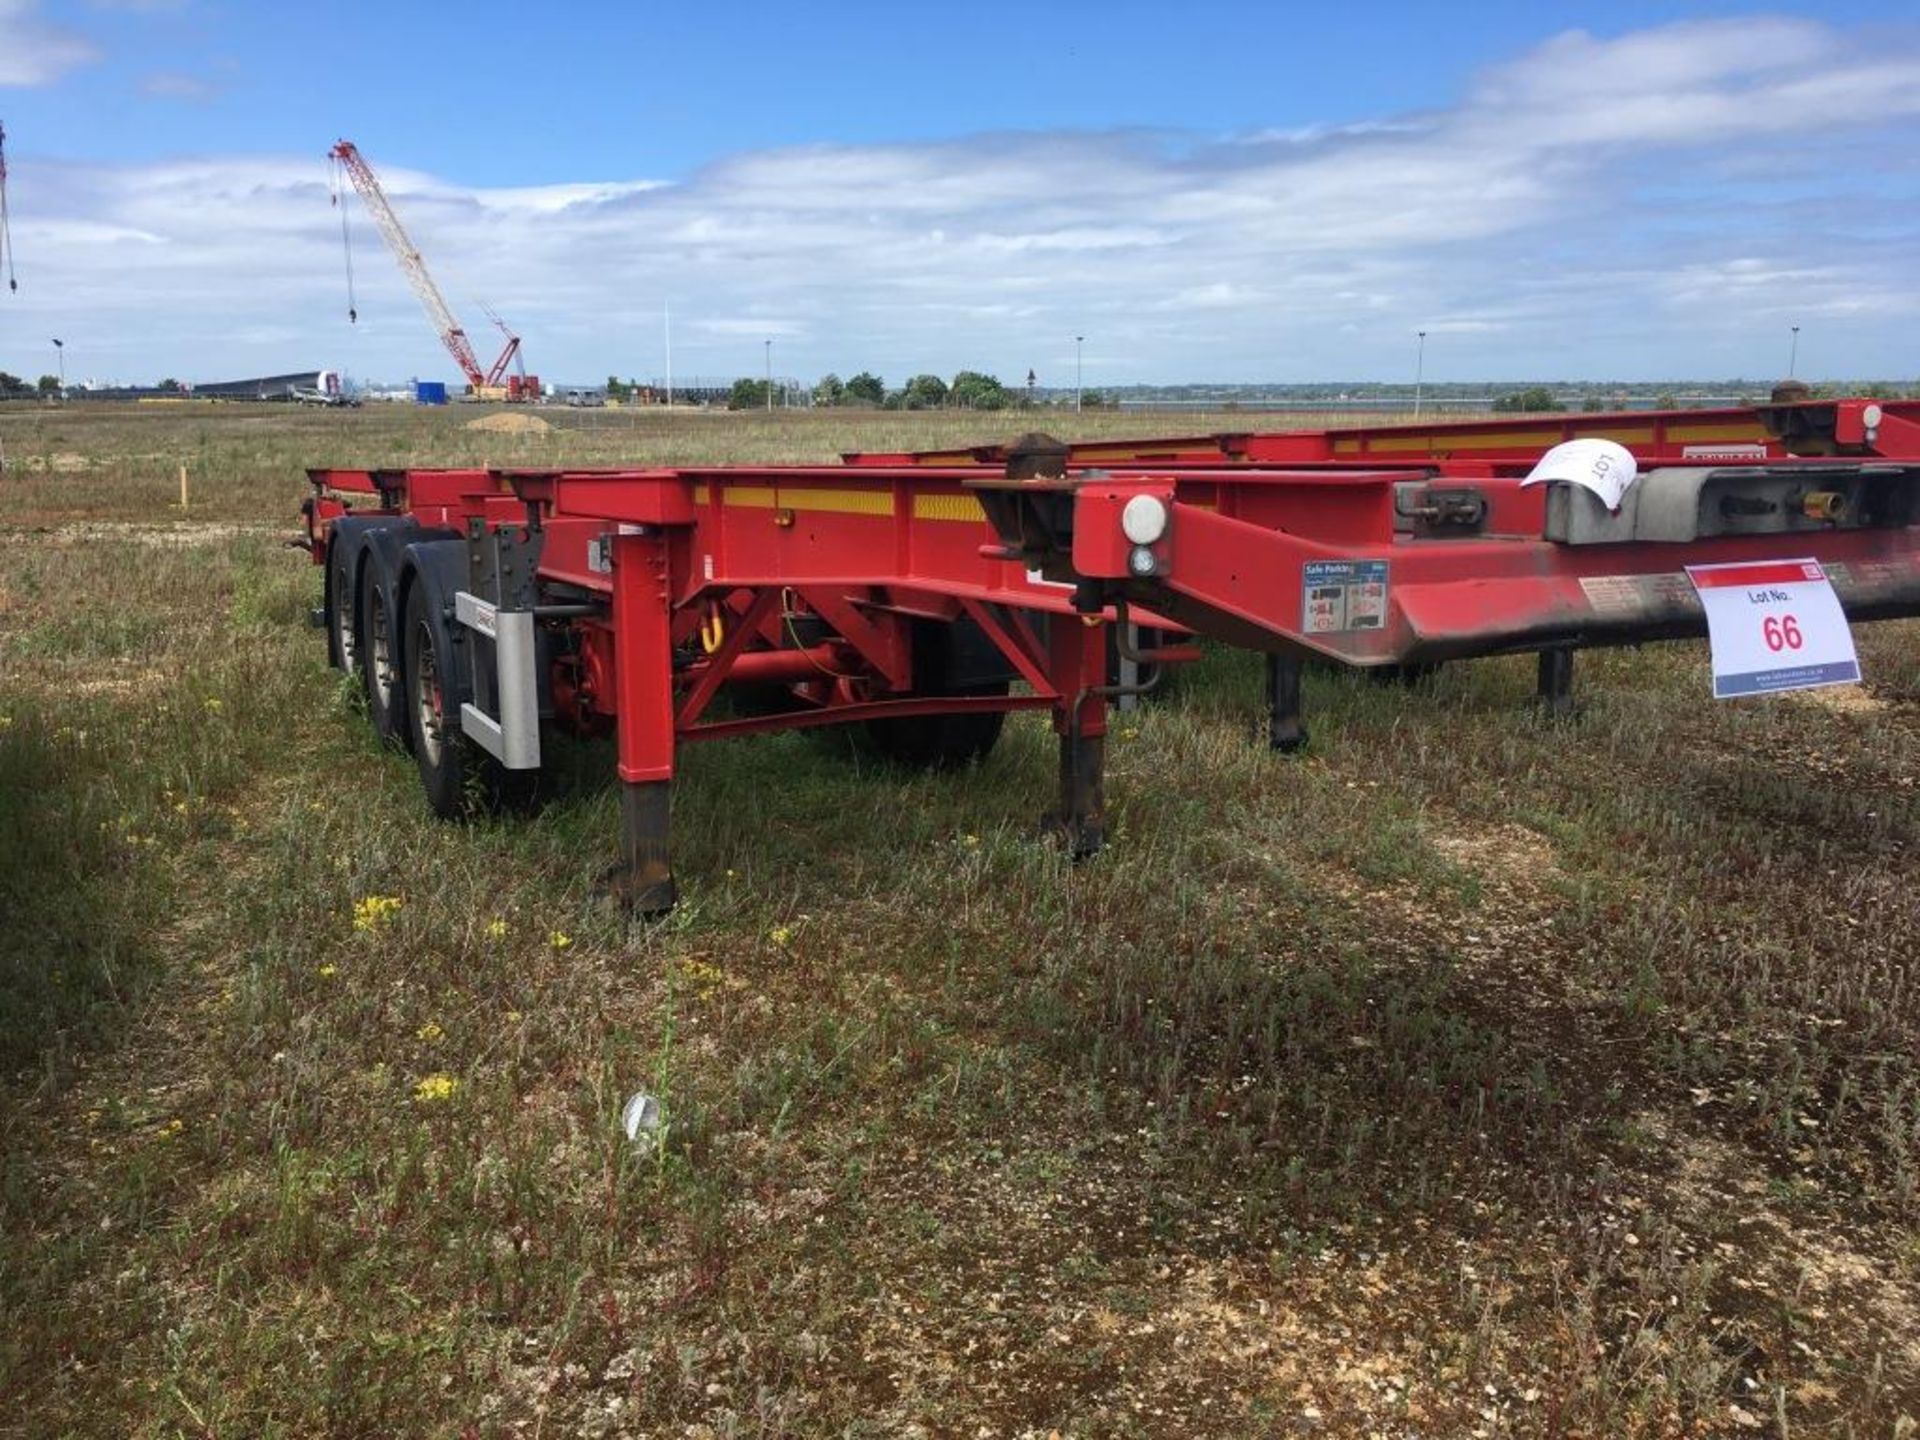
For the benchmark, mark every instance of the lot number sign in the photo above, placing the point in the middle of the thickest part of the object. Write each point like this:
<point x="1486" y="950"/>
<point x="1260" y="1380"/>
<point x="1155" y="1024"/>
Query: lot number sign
<point x="1774" y="625"/>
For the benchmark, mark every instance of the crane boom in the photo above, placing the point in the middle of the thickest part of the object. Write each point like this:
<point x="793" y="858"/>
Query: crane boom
<point x="347" y="155"/>
<point x="6" y="228"/>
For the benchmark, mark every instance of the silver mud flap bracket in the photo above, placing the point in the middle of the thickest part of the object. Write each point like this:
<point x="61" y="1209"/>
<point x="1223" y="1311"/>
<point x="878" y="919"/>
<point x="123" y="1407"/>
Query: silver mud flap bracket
<point x="503" y="718"/>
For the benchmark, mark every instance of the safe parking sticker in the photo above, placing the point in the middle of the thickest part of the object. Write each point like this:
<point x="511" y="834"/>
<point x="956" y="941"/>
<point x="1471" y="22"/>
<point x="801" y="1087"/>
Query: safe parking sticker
<point x="1343" y="595"/>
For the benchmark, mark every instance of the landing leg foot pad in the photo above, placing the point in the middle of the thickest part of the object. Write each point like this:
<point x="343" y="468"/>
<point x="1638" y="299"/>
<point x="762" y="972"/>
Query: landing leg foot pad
<point x="642" y="883"/>
<point x="1080" y="822"/>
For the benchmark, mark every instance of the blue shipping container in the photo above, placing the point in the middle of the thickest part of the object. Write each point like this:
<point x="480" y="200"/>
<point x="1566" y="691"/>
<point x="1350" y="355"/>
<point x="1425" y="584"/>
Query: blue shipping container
<point x="429" y="392"/>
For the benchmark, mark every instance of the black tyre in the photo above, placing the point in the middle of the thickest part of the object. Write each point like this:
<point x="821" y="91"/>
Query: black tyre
<point x="383" y="651"/>
<point x="343" y="607"/>
<point x="939" y="742"/>
<point x="460" y="779"/>
<point x="949" y="659"/>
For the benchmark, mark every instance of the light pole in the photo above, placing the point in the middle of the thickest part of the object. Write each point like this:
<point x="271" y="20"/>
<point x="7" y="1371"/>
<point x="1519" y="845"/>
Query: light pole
<point x="60" y="349"/>
<point x="1793" y="352"/>
<point x="1419" y="373"/>
<point x="1079" y="371"/>
<point x="769" y="377"/>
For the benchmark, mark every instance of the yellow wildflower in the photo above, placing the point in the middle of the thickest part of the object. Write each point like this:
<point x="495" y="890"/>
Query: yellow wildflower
<point x="560" y="940"/>
<point x="429" y="1032"/>
<point x="328" y="971"/>
<point x="172" y="1128"/>
<point x="213" y="705"/>
<point x="374" y="911"/>
<point x="513" y="1017"/>
<point x="704" y="977"/>
<point x="972" y="842"/>
<point x="496" y="929"/>
<point x="435" y="1088"/>
<point x="780" y="934"/>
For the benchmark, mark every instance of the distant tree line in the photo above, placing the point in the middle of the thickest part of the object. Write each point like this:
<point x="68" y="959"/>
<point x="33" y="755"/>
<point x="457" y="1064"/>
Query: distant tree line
<point x="969" y="390"/>
<point x="1538" y="399"/>
<point x="12" y="387"/>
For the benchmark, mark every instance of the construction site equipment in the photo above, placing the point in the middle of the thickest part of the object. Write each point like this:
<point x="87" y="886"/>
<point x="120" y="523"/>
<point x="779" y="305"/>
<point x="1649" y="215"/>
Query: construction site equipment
<point x="493" y="383"/>
<point x="926" y="595"/>
<point x="6" y="224"/>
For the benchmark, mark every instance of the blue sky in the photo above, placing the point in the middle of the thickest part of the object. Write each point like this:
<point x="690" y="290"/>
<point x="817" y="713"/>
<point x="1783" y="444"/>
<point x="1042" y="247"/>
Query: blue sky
<point x="1206" y="191"/>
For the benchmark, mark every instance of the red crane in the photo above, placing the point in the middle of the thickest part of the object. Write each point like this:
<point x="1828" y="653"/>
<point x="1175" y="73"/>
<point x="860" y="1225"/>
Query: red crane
<point x="6" y="231"/>
<point x="346" y="157"/>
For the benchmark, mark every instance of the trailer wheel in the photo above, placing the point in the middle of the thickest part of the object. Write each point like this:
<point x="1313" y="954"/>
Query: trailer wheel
<point x="940" y="742"/>
<point x="343" y="611"/>
<point x="383" y="653"/>
<point x="460" y="779"/>
<point x="949" y="658"/>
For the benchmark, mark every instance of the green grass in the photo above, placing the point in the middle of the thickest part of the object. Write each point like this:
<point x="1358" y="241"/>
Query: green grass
<point x="1470" y="1070"/>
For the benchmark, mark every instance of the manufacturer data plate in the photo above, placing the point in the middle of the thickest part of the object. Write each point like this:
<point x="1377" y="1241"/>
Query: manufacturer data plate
<point x="1343" y="595"/>
<point x="1774" y="625"/>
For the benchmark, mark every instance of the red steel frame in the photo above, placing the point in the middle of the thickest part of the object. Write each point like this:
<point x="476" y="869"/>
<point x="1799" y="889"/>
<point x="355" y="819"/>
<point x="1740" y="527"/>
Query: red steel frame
<point x="682" y="580"/>
<point x="1509" y="443"/>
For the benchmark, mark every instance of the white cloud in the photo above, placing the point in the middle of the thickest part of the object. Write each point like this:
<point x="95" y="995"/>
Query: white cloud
<point x="177" y="85"/>
<point x="1658" y="203"/>
<point x="33" y="51"/>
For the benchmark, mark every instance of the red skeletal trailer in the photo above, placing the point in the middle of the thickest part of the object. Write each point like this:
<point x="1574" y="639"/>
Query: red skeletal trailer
<point x="926" y="594"/>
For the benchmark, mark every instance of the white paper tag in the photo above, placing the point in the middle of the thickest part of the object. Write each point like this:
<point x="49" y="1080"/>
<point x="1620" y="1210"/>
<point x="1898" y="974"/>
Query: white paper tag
<point x="1774" y="625"/>
<point x="1602" y="466"/>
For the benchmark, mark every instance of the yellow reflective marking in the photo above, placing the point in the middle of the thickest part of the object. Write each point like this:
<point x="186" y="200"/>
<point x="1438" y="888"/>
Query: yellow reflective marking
<point x="838" y="502"/>
<point x="1636" y="435"/>
<point x="1467" y="440"/>
<point x="1083" y="453"/>
<point x="948" y="507"/>
<point x="1751" y="430"/>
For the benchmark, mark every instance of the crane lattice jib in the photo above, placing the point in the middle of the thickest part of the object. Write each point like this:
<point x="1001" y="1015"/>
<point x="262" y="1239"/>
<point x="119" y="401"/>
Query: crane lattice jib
<point x="411" y="264"/>
<point x="6" y="226"/>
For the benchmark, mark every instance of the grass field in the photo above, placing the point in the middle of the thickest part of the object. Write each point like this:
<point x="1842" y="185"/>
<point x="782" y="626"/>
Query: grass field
<point x="1470" y="1074"/>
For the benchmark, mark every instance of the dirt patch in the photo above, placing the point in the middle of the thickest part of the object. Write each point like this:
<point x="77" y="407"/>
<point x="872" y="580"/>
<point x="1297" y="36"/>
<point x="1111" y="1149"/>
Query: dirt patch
<point x="1844" y="699"/>
<point x="137" y="532"/>
<point x="1772" y="1255"/>
<point x="63" y="462"/>
<point x="1497" y="851"/>
<point x="510" y="424"/>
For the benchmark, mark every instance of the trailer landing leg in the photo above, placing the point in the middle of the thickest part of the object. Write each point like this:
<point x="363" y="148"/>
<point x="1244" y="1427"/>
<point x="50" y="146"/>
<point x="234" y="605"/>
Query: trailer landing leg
<point x="1286" y="730"/>
<point x="643" y="880"/>
<point x="1081" y="821"/>
<point x="1555" y="688"/>
<point x="1077" y="669"/>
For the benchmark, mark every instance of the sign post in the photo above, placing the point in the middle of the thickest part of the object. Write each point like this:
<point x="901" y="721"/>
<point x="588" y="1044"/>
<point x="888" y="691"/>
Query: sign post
<point x="1774" y="625"/>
